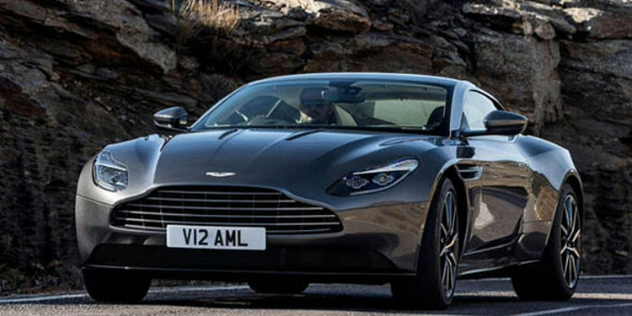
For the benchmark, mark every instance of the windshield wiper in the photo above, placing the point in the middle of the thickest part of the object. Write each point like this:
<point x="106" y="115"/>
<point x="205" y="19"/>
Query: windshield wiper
<point x="320" y="127"/>
<point x="394" y="129"/>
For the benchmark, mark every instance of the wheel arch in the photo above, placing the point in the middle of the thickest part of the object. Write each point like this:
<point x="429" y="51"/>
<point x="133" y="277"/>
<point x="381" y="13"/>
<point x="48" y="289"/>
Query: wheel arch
<point x="572" y="178"/>
<point x="463" y="199"/>
<point x="449" y="170"/>
<point x="433" y="293"/>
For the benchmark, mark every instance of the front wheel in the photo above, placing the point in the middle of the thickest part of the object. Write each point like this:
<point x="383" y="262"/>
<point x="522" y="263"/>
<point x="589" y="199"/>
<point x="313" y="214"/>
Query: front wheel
<point x="434" y="286"/>
<point x="115" y="287"/>
<point x="556" y="276"/>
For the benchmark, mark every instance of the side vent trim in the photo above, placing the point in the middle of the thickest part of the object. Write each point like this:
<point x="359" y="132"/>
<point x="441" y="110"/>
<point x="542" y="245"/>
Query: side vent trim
<point x="469" y="172"/>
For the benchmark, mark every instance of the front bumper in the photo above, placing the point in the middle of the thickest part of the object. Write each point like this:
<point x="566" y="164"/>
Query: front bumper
<point x="376" y="244"/>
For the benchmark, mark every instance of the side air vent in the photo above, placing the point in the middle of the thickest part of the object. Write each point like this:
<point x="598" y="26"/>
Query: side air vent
<point x="470" y="172"/>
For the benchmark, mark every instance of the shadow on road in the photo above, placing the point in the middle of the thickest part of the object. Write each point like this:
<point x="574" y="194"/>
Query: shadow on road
<point x="463" y="304"/>
<point x="488" y="298"/>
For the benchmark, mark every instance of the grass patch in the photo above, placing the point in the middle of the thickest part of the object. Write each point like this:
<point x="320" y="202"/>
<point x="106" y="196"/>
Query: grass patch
<point x="208" y="31"/>
<point x="206" y="18"/>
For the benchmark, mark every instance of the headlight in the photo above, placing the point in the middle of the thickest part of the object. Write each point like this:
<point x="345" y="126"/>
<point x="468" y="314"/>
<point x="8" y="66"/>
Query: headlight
<point x="109" y="173"/>
<point x="374" y="179"/>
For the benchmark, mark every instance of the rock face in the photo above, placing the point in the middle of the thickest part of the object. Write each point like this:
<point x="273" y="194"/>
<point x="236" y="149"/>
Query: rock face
<point x="73" y="77"/>
<point x="77" y="75"/>
<point x="529" y="62"/>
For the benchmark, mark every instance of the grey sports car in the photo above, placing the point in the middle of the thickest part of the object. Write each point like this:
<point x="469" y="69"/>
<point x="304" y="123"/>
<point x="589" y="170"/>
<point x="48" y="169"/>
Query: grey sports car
<point x="335" y="178"/>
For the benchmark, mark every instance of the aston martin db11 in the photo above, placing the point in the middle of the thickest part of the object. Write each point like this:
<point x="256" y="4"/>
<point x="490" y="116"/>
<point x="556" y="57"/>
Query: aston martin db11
<point x="335" y="178"/>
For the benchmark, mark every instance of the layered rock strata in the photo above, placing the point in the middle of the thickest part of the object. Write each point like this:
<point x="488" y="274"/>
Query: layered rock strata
<point x="77" y="75"/>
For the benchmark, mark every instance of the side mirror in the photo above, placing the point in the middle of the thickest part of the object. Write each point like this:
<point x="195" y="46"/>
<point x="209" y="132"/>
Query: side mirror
<point x="173" y="119"/>
<point x="500" y="123"/>
<point x="505" y="123"/>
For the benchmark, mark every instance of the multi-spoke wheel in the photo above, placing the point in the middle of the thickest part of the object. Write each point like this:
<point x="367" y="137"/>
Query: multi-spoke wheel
<point x="556" y="276"/>
<point x="571" y="230"/>
<point x="434" y="285"/>
<point x="448" y="242"/>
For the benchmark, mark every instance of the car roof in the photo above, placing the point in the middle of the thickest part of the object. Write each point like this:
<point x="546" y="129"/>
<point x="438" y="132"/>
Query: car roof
<point x="364" y="75"/>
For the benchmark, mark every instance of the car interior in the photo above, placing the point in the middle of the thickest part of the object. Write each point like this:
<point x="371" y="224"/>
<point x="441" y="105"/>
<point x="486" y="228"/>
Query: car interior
<point x="366" y="105"/>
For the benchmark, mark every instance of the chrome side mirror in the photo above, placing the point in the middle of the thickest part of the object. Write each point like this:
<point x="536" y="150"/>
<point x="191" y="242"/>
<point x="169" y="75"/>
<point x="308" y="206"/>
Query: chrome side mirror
<point x="500" y="123"/>
<point x="505" y="123"/>
<point x="173" y="119"/>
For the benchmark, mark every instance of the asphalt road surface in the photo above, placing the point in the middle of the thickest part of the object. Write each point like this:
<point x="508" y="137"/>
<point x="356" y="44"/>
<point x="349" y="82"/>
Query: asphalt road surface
<point x="610" y="295"/>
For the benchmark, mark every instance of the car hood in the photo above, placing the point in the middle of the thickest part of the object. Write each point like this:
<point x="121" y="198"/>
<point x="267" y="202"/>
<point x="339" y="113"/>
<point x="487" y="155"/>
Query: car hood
<point x="278" y="158"/>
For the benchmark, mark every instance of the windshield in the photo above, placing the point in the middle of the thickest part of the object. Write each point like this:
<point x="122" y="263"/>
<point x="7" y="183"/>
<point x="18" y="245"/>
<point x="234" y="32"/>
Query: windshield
<point x="353" y="104"/>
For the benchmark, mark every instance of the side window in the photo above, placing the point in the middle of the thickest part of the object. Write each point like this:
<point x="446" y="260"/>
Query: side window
<point x="409" y="112"/>
<point x="475" y="108"/>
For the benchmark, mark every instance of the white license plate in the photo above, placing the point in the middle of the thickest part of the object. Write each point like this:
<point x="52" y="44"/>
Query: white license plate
<point x="210" y="237"/>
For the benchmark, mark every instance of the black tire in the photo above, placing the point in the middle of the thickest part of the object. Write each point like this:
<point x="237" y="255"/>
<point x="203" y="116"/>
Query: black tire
<point x="278" y="286"/>
<point x="434" y="286"/>
<point x="556" y="276"/>
<point x="115" y="287"/>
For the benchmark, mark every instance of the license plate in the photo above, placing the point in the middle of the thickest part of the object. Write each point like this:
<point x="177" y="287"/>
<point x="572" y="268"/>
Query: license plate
<point x="210" y="237"/>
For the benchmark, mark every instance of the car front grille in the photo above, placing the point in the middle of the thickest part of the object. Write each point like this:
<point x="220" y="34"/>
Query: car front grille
<point x="224" y="206"/>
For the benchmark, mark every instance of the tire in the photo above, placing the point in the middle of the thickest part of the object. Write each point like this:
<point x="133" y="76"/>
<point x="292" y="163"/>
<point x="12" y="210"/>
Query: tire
<point x="556" y="276"/>
<point x="276" y="286"/>
<point x="434" y="285"/>
<point x="115" y="287"/>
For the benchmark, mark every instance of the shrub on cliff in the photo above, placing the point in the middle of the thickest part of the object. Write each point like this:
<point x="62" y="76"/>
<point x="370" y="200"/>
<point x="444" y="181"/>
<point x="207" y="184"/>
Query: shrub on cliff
<point x="207" y="31"/>
<point x="205" y="18"/>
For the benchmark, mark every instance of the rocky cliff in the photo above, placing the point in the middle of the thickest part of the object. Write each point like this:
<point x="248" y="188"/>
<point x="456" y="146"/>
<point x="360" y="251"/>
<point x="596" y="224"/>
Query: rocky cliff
<point x="76" y="75"/>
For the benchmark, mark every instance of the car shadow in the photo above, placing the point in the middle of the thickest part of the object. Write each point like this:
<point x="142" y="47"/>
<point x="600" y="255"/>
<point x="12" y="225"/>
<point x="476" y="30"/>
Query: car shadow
<point x="462" y="305"/>
<point x="473" y="299"/>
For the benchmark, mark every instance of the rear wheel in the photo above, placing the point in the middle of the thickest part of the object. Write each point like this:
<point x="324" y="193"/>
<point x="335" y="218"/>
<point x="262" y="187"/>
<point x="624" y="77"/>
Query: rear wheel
<point x="278" y="286"/>
<point x="434" y="286"/>
<point x="115" y="287"/>
<point x="556" y="276"/>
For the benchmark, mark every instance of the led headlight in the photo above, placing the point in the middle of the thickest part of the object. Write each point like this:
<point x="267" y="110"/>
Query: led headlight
<point x="109" y="173"/>
<point x="374" y="179"/>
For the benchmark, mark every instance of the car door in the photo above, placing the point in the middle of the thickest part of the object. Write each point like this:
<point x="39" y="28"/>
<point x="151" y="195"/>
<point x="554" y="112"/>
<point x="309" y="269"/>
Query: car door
<point x="499" y="206"/>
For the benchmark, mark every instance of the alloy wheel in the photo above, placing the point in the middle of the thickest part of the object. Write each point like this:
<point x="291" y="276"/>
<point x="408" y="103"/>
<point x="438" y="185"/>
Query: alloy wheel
<point x="570" y="242"/>
<point x="449" y="240"/>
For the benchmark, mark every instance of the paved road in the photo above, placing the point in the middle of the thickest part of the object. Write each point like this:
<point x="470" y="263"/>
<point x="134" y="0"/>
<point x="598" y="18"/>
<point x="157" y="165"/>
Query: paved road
<point x="595" y="295"/>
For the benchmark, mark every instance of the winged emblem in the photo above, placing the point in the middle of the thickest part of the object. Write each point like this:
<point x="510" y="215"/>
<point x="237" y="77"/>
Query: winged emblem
<point x="220" y="174"/>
